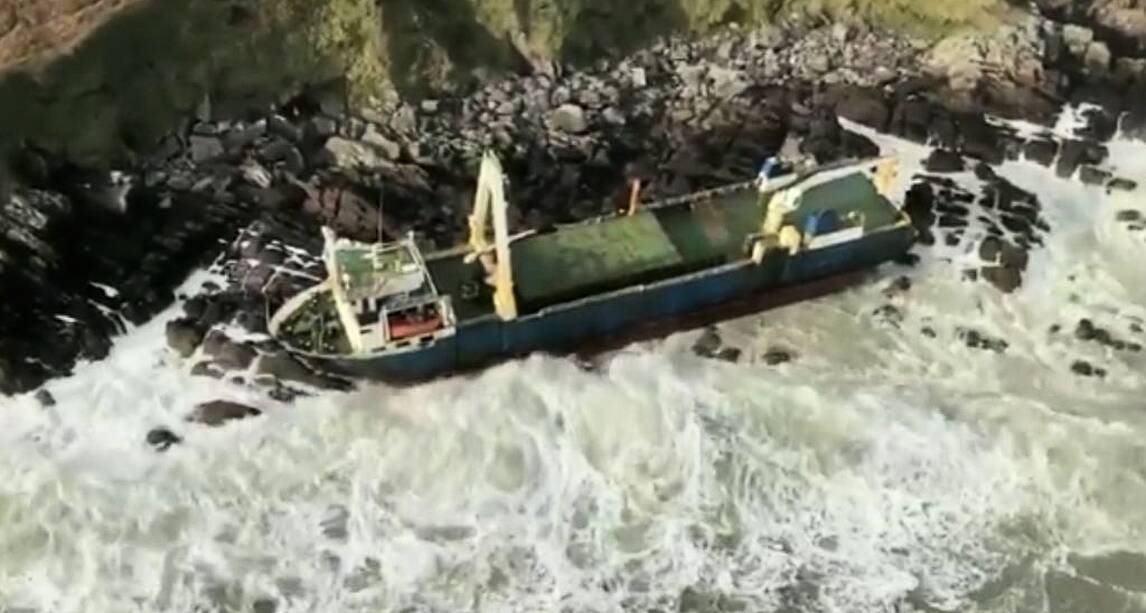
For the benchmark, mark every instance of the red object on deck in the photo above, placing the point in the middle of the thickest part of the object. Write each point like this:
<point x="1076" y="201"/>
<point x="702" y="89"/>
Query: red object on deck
<point x="405" y="326"/>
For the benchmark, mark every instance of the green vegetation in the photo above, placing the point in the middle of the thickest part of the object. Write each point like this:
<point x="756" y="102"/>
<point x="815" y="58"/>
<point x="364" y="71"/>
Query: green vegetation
<point x="132" y="80"/>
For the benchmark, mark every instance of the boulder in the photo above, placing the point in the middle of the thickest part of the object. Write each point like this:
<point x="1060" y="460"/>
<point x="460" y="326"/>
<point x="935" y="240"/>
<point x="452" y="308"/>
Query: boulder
<point x="45" y="398"/>
<point x="775" y="356"/>
<point x="284" y="367"/>
<point x="219" y="412"/>
<point x="1093" y="176"/>
<point x="1041" y="151"/>
<point x="162" y="438"/>
<point x="389" y="149"/>
<point x="864" y="106"/>
<point x="569" y="118"/>
<point x="227" y="353"/>
<point x="1005" y="278"/>
<point x="1122" y="184"/>
<point x="944" y="161"/>
<point x="183" y="336"/>
<point x="708" y="344"/>
<point x="352" y="154"/>
<point x="1072" y="156"/>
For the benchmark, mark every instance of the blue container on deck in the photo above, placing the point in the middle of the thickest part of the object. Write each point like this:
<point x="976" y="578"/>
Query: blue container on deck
<point x="823" y="222"/>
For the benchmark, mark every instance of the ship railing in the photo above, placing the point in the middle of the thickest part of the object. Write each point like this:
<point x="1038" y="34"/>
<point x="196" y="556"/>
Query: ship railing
<point x="782" y="182"/>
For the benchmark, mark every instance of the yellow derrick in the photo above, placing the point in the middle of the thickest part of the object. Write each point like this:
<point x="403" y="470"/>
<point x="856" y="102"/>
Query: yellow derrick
<point x="490" y="200"/>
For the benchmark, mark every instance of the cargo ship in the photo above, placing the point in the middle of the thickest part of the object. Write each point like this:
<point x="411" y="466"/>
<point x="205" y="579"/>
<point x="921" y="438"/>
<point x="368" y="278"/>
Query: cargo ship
<point x="388" y="312"/>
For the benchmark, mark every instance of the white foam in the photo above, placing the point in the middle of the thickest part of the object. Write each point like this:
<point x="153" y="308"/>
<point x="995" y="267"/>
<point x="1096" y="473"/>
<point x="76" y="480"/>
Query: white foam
<point x="879" y="462"/>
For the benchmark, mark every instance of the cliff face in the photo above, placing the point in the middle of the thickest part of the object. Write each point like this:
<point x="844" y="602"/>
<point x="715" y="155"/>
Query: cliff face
<point x="119" y="86"/>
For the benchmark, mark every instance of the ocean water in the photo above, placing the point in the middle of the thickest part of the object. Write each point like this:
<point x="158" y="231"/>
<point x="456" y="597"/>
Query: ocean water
<point x="882" y="469"/>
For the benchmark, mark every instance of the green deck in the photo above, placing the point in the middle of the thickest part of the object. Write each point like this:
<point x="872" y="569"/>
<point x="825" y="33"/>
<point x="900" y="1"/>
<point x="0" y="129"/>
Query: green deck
<point x="558" y="264"/>
<point x="583" y="259"/>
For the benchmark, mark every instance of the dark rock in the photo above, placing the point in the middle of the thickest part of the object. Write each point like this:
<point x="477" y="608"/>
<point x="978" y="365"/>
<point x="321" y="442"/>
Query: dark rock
<point x="944" y="161"/>
<point x="1086" y="369"/>
<point x="981" y="140"/>
<point x="1072" y="156"/>
<point x="282" y="366"/>
<point x="888" y="314"/>
<point x="194" y="307"/>
<point x="1100" y="125"/>
<point x="977" y="340"/>
<point x="219" y="412"/>
<point x="1041" y="151"/>
<point x="1093" y="176"/>
<point x="45" y="398"/>
<point x="1085" y="330"/>
<point x="1005" y="278"/>
<point x="227" y="353"/>
<point x="929" y="332"/>
<point x="162" y="438"/>
<point x="708" y="344"/>
<point x="983" y="172"/>
<point x="864" y="106"/>
<point x="990" y="249"/>
<point x="206" y="369"/>
<point x="730" y="354"/>
<point x="899" y="285"/>
<point x="912" y="119"/>
<point x="1120" y="184"/>
<point x="183" y="336"/>
<point x="775" y="356"/>
<point x="1128" y="216"/>
<point x="264" y="605"/>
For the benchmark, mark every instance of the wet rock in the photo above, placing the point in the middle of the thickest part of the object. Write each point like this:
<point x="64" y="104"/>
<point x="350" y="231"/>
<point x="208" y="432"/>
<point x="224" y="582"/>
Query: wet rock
<point x="1072" y="156"/>
<point x="219" y="412"/>
<point x="284" y="367"/>
<point x="569" y="118"/>
<point x="1093" y="176"/>
<point x="888" y="314"/>
<point x="183" y="336"/>
<point x="206" y="369"/>
<point x="1086" y="369"/>
<point x="730" y="354"/>
<point x="1085" y="330"/>
<point x="45" y="398"/>
<point x="227" y="353"/>
<point x="977" y="340"/>
<point x="900" y="285"/>
<point x="708" y="344"/>
<point x="1121" y="184"/>
<point x="1004" y="278"/>
<point x="776" y="356"/>
<point x="864" y="106"/>
<point x="1041" y="151"/>
<point x="162" y="438"/>
<point x="944" y="161"/>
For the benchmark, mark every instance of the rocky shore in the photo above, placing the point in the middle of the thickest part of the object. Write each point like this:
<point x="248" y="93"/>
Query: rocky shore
<point x="87" y="253"/>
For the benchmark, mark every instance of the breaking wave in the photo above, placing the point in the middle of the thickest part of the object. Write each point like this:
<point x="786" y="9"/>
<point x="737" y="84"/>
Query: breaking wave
<point x="889" y="466"/>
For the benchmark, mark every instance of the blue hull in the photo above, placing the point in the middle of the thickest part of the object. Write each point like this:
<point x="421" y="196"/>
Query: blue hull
<point x="567" y="327"/>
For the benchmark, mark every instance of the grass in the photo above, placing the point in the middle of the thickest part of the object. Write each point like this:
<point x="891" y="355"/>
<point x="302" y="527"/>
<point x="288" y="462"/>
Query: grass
<point x="131" y="80"/>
